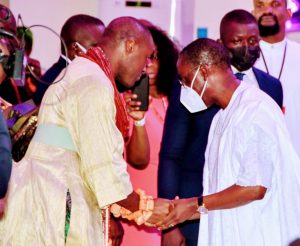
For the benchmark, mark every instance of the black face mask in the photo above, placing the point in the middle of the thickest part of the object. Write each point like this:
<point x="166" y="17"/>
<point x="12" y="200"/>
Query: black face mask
<point x="266" y="31"/>
<point x="243" y="58"/>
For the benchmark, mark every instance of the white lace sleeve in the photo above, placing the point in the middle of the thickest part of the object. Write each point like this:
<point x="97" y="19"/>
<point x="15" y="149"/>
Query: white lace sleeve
<point x="256" y="159"/>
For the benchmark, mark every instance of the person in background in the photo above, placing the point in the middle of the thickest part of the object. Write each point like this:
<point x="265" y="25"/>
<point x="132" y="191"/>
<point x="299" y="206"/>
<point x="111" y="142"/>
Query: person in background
<point x="84" y="29"/>
<point x="162" y="73"/>
<point x="78" y="146"/>
<point x="7" y="47"/>
<point x="5" y="143"/>
<point x="252" y="172"/>
<point x="5" y="159"/>
<point x="9" y="93"/>
<point x="280" y="58"/>
<point x="26" y="38"/>
<point x="240" y="35"/>
<point x="182" y="155"/>
<point x="22" y="117"/>
<point x="7" y="20"/>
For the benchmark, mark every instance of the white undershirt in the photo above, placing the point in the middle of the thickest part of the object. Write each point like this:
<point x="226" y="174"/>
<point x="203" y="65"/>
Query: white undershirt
<point x="249" y="76"/>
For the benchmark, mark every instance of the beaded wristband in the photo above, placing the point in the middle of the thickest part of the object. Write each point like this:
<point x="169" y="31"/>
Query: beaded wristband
<point x="146" y="206"/>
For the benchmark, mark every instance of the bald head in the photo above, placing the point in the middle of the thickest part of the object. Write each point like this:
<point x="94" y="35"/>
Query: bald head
<point x="207" y="52"/>
<point x="84" y="29"/>
<point x="127" y="44"/>
<point x="239" y="16"/>
<point x="124" y="28"/>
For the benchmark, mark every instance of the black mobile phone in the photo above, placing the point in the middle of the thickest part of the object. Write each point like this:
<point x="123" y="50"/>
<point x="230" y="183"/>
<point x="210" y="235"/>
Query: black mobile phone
<point x="141" y="88"/>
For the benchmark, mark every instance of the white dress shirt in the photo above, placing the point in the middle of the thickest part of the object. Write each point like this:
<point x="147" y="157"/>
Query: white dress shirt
<point x="249" y="76"/>
<point x="290" y="79"/>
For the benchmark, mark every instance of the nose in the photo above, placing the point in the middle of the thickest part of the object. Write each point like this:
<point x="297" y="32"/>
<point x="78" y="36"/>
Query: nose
<point x="245" y="43"/>
<point x="144" y="70"/>
<point x="147" y="65"/>
<point x="268" y="9"/>
<point x="148" y="62"/>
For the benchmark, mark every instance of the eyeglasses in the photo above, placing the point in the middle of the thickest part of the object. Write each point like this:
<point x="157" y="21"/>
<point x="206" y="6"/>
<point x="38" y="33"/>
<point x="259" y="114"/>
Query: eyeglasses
<point x="192" y="82"/>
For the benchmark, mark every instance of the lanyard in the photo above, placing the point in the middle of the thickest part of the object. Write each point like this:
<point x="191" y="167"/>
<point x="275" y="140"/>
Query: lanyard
<point x="282" y="63"/>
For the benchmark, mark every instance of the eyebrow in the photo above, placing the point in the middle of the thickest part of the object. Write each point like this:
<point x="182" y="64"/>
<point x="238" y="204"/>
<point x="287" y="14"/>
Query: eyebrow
<point x="259" y="2"/>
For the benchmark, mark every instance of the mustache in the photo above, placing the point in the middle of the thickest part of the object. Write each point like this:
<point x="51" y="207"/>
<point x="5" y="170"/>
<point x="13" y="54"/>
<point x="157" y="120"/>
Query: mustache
<point x="267" y="15"/>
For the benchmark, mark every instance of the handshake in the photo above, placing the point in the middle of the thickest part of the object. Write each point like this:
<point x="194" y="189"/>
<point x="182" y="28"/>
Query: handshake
<point x="160" y="213"/>
<point x="168" y="213"/>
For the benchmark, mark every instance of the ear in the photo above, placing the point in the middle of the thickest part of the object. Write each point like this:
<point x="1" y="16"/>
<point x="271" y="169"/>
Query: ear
<point x="74" y="47"/>
<point x="129" y="45"/>
<point x="288" y="14"/>
<point x="72" y="51"/>
<point x="204" y="71"/>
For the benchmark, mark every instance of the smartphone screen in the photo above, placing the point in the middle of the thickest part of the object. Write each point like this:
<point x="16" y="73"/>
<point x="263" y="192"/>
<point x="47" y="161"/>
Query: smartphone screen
<point x="141" y="89"/>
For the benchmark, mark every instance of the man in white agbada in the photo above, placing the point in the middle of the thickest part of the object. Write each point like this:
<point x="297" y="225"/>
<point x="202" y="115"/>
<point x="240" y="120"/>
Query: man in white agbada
<point x="252" y="172"/>
<point x="78" y="146"/>
<point x="280" y="57"/>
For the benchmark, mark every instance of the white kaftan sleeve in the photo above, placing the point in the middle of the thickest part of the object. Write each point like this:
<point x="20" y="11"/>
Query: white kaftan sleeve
<point x="256" y="157"/>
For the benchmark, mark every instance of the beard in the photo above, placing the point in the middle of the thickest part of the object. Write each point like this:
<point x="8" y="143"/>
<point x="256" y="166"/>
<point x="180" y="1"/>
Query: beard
<point x="264" y="30"/>
<point x="120" y="87"/>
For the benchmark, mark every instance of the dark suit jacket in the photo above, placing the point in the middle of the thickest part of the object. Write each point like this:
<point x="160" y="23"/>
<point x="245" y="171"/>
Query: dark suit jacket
<point x="5" y="157"/>
<point x="49" y="76"/>
<point x="269" y="85"/>
<point x="183" y="146"/>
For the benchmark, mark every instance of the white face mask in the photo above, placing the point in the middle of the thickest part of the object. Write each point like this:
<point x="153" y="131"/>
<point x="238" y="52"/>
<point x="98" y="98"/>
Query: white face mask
<point x="191" y="99"/>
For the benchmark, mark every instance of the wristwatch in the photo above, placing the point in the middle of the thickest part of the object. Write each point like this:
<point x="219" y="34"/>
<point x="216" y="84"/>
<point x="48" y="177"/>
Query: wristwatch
<point x="201" y="206"/>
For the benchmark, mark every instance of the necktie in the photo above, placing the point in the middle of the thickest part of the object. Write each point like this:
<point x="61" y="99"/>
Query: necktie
<point x="239" y="75"/>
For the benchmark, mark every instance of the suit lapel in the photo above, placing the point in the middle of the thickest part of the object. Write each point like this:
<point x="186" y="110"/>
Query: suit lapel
<point x="260" y="80"/>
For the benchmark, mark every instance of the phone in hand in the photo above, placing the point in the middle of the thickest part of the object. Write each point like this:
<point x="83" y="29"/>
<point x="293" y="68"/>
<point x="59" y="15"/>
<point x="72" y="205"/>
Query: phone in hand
<point x="141" y="89"/>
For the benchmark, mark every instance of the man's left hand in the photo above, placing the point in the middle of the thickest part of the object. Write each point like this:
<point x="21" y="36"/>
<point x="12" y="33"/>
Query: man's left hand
<point x="116" y="232"/>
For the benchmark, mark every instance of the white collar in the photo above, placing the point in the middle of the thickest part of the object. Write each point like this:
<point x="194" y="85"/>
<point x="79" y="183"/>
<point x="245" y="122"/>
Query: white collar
<point x="247" y="72"/>
<point x="278" y="45"/>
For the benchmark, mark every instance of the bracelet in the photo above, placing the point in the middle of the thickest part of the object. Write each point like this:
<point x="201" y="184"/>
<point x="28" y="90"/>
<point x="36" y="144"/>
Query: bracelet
<point x="146" y="206"/>
<point x="140" y="122"/>
<point x="118" y="211"/>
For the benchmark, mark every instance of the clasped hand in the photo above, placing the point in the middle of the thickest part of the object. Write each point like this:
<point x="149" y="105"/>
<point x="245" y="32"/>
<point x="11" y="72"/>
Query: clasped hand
<point x="168" y="213"/>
